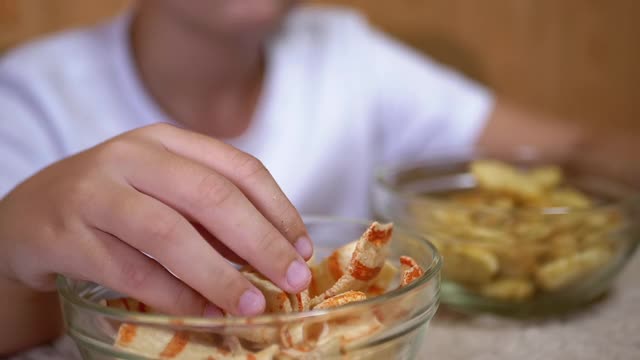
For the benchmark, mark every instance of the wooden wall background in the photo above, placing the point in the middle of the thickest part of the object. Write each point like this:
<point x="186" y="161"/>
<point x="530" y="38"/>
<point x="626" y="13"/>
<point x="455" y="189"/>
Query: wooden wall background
<point x="579" y="59"/>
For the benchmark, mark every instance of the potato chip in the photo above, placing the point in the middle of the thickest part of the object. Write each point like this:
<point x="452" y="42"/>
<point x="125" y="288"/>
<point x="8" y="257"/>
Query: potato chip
<point x="509" y="289"/>
<point x="565" y="271"/>
<point x="469" y="264"/>
<point x="499" y="177"/>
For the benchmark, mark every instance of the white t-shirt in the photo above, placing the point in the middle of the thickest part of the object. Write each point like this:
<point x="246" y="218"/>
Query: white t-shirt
<point x="339" y="99"/>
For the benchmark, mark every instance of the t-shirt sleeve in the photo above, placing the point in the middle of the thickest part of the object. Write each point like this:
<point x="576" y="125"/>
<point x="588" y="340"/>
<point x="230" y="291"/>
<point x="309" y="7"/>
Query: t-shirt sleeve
<point x="25" y="144"/>
<point x="420" y="106"/>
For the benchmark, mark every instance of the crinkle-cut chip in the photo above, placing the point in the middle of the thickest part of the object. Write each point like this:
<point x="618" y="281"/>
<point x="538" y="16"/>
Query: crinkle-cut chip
<point x="499" y="177"/>
<point x="411" y="271"/>
<point x="277" y="301"/>
<point x="128" y="304"/>
<point x="469" y="264"/>
<point x="365" y="264"/>
<point x="341" y="299"/>
<point x="565" y="271"/>
<point x="327" y="272"/>
<point x="509" y="289"/>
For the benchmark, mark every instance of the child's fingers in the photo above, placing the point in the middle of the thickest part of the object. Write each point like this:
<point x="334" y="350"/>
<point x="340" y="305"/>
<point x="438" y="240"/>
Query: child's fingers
<point x="220" y="247"/>
<point x="124" y="269"/>
<point x="220" y="207"/>
<point x="248" y="174"/>
<point x="158" y="230"/>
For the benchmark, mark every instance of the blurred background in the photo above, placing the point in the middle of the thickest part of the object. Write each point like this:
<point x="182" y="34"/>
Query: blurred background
<point x="577" y="59"/>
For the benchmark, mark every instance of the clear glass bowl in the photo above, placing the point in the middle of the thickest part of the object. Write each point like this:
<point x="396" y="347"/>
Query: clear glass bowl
<point x="403" y="313"/>
<point x="488" y="268"/>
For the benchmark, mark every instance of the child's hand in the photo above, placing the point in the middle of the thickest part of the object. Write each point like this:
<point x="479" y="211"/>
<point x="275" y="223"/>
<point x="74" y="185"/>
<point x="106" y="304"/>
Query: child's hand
<point x="91" y="216"/>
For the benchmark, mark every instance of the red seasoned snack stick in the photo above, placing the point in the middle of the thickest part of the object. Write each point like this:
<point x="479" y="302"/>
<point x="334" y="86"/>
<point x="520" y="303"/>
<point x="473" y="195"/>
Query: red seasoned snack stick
<point x="367" y="260"/>
<point x="410" y="271"/>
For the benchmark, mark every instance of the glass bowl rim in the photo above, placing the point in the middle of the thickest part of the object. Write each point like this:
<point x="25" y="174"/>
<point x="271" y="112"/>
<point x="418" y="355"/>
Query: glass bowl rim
<point x="383" y="172"/>
<point x="266" y="319"/>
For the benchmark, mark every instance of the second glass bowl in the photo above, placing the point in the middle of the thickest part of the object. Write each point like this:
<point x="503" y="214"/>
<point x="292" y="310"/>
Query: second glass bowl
<point x="510" y="260"/>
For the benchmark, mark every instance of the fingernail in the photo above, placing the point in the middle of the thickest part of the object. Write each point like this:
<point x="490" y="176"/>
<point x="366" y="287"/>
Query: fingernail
<point x="298" y="275"/>
<point x="304" y="247"/>
<point x="212" y="311"/>
<point x="251" y="303"/>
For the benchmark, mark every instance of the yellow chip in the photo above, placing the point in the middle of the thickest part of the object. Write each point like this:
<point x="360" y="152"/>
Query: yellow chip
<point x="547" y="176"/>
<point x="509" y="289"/>
<point x="565" y="271"/>
<point x="499" y="177"/>
<point x="469" y="264"/>
<point x="570" y="198"/>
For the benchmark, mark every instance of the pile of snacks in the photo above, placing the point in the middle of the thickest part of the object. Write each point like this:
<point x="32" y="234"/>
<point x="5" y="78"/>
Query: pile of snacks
<point x="354" y="272"/>
<point x="518" y="233"/>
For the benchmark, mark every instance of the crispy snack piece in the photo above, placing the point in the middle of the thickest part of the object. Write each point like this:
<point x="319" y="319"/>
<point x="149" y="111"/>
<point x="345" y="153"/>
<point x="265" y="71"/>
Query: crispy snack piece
<point x="351" y="330"/>
<point x="384" y="279"/>
<point x="277" y="300"/>
<point x="317" y="344"/>
<point x="499" y="177"/>
<point x="565" y="197"/>
<point x="366" y="262"/>
<point x="470" y="264"/>
<point x="411" y="271"/>
<point x="341" y="299"/>
<point x="327" y="272"/>
<point x="311" y="340"/>
<point x="300" y="301"/>
<point x="168" y="344"/>
<point x="564" y="271"/>
<point x="511" y="289"/>
<point x="331" y="269"/>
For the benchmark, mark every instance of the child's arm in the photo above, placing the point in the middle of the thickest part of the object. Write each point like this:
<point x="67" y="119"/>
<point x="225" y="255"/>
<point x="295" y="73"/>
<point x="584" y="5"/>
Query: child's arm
<point x="28" y="317"/>
<point x="607" y="151"/>
<point x="91" y="216"/>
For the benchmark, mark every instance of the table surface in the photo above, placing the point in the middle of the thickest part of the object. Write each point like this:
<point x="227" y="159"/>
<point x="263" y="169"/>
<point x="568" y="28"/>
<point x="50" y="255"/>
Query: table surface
<point x="609" y="329"/>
